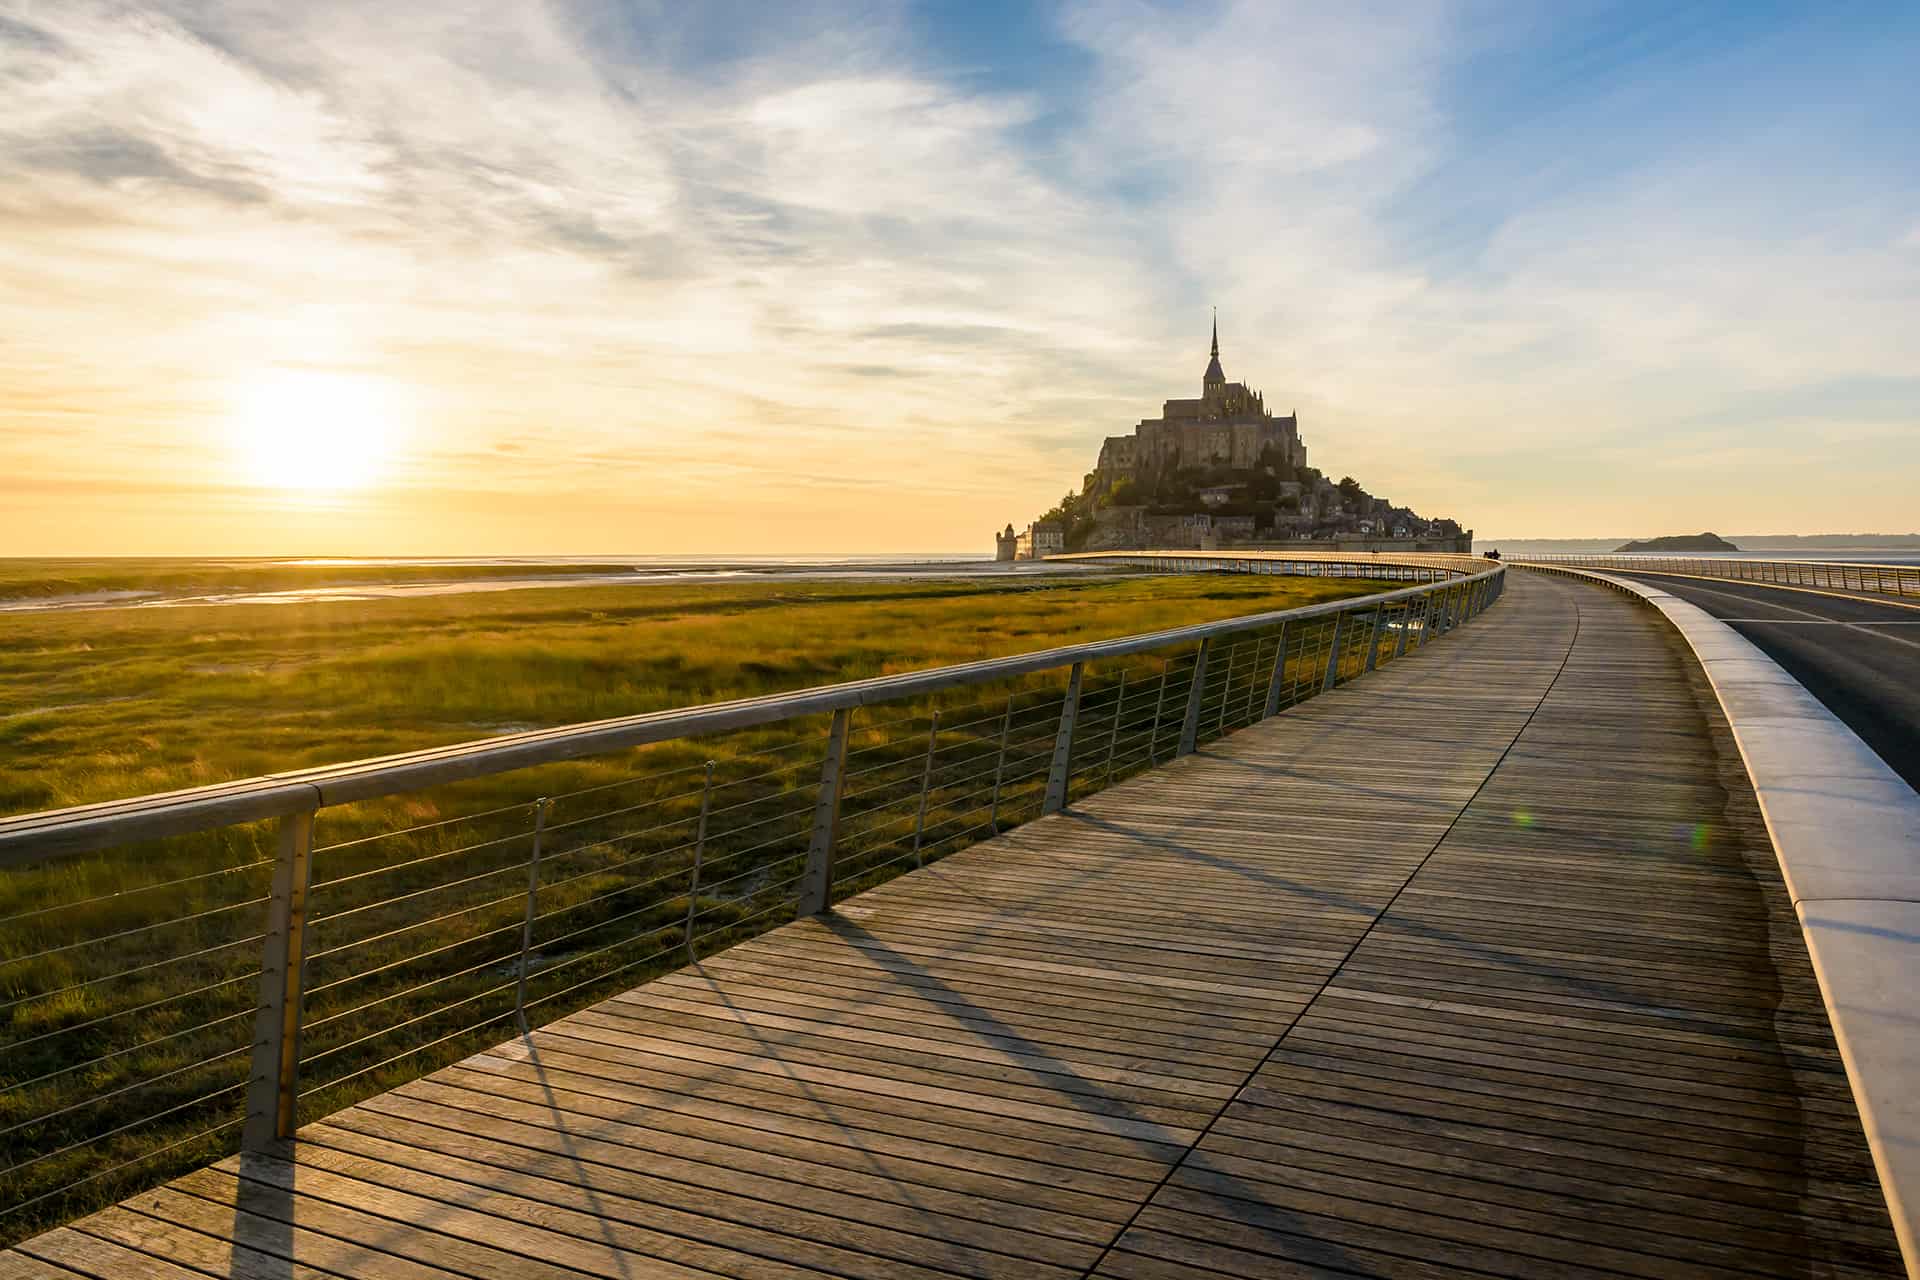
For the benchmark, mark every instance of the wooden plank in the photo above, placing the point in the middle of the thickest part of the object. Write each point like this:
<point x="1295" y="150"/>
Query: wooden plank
<point x="835" y="1235"/>
<point x="1048" y="1233"/>
<point x="939" y="1119"/>
<point x="65" y="1252"/>
<point x="923" y="1182"/>
<point x="293" y="1250"/>
<point x="825" y="1141"/>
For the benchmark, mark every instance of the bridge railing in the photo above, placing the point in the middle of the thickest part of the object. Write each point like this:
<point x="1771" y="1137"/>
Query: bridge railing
<point x="188" y="972"/>
<point x="1900" y="580"/>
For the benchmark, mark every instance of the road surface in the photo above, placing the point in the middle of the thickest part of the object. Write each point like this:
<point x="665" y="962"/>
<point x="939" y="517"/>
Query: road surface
<point x="1861" y="658"/>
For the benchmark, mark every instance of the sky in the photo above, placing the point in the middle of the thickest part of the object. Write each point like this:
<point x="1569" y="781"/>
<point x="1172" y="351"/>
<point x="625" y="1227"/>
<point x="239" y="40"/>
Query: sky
<point x="625" y="277"/>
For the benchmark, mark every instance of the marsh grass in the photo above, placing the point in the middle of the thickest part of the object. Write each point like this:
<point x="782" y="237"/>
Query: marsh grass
<point x="128" y="979"/>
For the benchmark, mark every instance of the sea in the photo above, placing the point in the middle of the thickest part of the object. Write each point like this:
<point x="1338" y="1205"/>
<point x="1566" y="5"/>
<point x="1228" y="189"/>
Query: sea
<point x="1865" y="553"/>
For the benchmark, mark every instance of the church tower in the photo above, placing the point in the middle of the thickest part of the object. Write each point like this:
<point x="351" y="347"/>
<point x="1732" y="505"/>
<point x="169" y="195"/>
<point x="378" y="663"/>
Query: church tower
<point x="1214" y="380"/>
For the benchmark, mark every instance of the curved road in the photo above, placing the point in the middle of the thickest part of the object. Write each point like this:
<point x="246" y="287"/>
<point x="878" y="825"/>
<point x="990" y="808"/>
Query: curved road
<point x="1860" y="657"/>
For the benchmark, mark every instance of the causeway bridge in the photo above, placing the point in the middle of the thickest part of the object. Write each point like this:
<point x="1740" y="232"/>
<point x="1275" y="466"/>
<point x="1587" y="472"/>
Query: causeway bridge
<point x="1515" y="922"/>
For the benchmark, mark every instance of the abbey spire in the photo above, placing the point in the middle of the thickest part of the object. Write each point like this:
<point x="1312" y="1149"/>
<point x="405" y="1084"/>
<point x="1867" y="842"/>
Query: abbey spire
<point x="1214" y="377"/>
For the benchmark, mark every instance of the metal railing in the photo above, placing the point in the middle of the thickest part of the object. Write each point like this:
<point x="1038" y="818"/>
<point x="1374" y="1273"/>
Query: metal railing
<point x="1832" y="575"/>
<point x="188" y="972"/>
<point x="1393" y="566"/>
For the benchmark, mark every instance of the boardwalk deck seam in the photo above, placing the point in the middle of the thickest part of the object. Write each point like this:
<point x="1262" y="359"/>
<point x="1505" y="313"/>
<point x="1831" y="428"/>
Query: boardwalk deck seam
<point x="1254" y="1072"/>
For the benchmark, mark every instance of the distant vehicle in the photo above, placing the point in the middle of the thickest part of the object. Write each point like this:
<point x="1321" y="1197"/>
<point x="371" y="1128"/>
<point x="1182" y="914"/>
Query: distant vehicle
<point x="1491" y="555"/>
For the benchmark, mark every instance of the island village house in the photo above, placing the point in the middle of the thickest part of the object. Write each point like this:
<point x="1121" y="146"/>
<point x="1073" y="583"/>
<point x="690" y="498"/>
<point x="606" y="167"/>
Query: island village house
<point x="1220" y="470"/>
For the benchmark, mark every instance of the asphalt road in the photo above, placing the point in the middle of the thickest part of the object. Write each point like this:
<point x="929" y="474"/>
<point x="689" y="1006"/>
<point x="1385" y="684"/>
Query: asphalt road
<point x="1860" y="658"/>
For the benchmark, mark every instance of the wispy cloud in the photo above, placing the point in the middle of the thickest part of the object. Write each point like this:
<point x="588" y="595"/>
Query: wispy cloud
<point x="704" y="268"/>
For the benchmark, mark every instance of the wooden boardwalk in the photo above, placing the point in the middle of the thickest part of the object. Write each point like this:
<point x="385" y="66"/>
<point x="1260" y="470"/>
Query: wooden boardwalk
<point x="1478" y="967"/>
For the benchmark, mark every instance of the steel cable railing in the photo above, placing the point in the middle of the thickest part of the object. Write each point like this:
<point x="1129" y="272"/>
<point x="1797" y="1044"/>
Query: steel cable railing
<point x="332" y="933"/>
<point x="1897" y="580"/>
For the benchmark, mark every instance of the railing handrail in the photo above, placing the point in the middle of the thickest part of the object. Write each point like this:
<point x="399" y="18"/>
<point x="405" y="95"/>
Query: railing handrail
<point x="86" y="828"/>
<point x="1453" y="560"/>
<point x="1568" y="557"/>
<point x="1875" y="581"/>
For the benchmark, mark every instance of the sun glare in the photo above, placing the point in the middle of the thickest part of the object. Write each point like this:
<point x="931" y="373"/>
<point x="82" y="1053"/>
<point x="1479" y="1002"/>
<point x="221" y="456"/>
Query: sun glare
<point x="299" y="429"/>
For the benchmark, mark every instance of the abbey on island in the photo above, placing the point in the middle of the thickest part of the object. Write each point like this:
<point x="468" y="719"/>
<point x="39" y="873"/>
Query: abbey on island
<point x="1219" y="470"/>
<point x="1228" y="425"/>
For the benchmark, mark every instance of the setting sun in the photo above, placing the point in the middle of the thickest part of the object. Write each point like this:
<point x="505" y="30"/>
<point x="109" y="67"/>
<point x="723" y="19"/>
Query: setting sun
<point x="302" y="429"/>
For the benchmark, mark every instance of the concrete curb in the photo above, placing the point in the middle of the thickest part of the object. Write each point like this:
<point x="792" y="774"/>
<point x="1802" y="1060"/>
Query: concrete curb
<point x="1846" y="830"/>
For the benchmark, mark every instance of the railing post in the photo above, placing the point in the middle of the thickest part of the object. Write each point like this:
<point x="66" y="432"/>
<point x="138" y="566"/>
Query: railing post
<point x="1000" y="768"/>
<point x="1113" y="735"/>
<point x="1406" y="620"/>
<point x="1226" y="691"/>
<point x="1159" y="703"/>
<point x="926" y="785"/>
<point x="1253" y="683"/>
<point x="1190" y="724"/>
<point x="273" y="1089"/>
<point x="816" y="889"/>
<point x="1373" y="642"/>
<point x="699" y="857"/>
<point x="540" y="808"/>
<point x="1278" y="676"/>
<point x="1333" y="653"/>
<point x="1061" y="770"/>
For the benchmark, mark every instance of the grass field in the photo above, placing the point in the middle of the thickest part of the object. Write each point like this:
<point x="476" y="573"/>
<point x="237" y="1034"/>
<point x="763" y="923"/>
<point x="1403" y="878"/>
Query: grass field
<point x="129" y="981"/>
<point x="106" y="704"/>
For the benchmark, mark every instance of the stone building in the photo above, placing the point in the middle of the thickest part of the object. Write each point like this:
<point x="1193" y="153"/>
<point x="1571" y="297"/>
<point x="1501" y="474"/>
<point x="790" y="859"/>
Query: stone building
<point x="1229" y="425"/>
<point x="1231" y="529"/>
<point x="1039" y="541"/>
<point x="1006" y="544"/>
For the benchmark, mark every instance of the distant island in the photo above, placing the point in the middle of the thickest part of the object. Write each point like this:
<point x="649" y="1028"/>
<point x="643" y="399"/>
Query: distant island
<point x="1683" y="542"/>
<point x="1221" y="470"/>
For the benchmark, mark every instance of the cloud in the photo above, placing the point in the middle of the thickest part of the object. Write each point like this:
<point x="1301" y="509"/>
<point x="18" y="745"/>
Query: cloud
<point x="735" y="252"/>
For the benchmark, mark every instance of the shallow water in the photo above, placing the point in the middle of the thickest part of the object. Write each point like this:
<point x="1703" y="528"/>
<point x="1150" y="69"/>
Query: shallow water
<point x="620" y="572"/>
